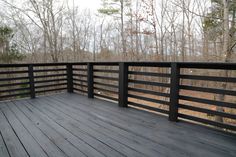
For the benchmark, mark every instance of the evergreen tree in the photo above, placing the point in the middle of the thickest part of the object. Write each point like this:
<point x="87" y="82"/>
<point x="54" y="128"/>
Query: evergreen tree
<point x="117" y="7"/>
<point x="8" y="51"/>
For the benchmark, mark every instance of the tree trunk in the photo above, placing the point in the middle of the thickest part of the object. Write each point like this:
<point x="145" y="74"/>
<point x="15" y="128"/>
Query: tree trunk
<point x="122" y="29"/>
<point x="227" y="55"/>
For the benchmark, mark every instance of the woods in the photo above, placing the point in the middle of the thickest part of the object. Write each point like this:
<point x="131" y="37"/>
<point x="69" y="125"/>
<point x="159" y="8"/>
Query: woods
<point x="53" y="31"/>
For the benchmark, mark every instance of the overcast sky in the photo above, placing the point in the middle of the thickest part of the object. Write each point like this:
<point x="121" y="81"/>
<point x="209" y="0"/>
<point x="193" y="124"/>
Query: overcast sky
<point x="88" y="4"/>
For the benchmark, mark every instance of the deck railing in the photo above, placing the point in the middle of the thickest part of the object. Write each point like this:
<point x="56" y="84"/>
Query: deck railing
<point x="166" y="87"/>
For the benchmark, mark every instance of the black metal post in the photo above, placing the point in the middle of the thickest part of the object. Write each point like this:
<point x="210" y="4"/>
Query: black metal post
<point x="31" y="80"/>
<point x="90" y="80"/>
<point x="123" y="84"/>
<point x="174" y="92"/>
<point x="69" y="71"/>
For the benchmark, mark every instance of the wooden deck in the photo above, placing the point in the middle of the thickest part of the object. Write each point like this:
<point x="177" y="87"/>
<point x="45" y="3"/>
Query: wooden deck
<point x="72" y="125"/>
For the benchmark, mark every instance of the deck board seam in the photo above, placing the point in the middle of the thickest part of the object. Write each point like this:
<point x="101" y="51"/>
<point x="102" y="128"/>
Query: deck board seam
<point x="5" y="144"/>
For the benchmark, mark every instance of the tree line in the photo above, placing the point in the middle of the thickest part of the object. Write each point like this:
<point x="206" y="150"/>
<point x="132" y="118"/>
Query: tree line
<point x="164" y="30"/>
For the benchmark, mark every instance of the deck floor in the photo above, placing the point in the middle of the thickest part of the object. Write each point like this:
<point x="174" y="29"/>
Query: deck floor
<point x="72" y="125"/>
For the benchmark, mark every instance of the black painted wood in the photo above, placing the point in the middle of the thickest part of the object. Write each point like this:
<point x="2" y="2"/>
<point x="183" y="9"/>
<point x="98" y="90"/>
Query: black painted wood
<point x="123" y="84"/>
<point x="149" y="83"/>
<point x="69" y="78"/>
<point x="174" y="92"/>
<point x="149" y="99"/>
<point x="31" y="81"/>
<point x="90" y="80"/>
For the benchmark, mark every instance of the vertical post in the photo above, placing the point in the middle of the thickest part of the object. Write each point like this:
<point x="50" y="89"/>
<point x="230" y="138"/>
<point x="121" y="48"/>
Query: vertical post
<point x="90" y="80"/>
<point x="31" y="81"/>
<point x="174" y="92"/>
<point x="69" y="72"/>
<point x="123" y="84"/>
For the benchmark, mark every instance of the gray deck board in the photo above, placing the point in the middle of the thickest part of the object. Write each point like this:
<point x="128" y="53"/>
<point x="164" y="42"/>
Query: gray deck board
<point x="73" y="125"/>
<point x="92" y="132"/>
<point x="79" y="143"/>
<point x="83" y="119"/>
<point x="52" y="134"/>
<point x="47" y="144"/>
<point x="13" y="144"/>
<point x="142" y="144"/>
<point x="32" y="147"/>
<point x="168" y="134"/>
<point x="3" y="148"/>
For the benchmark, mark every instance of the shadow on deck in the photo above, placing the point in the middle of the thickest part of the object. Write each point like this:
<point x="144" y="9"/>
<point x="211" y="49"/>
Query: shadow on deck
<point x="73" y="125"/>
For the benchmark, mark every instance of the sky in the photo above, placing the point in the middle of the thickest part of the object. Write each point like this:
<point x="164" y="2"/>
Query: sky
<point x="93" y="5"/>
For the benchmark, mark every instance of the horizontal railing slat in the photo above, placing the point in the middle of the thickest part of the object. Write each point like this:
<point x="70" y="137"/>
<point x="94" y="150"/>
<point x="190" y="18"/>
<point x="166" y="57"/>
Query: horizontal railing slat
<point x="150" y="64"/>
<point x="148" y="92"/>
<point x="208" y="90"/>
<point x="106" y="97"/>
<point x="14" y="84"/>
<point x="81" y="85"/>
<point x="149" y="99"/>
<point x="80" y="90"/>
<point x="13" y="72"/>
<point x="209" y="78"/>
<point x="106" y="71"/>
<point x="46" y="76"/>
<point x="79" y="75"/>
<point x="14" y="90"/>
<point x="149" y="74"/>
<point x="49" y="70"/>
<point x="148" y="107"/>
<point x="78" y="69"/>
<point x="209" y="122"/>
<point x="15" y="95"/>
<point x="50" y="90"/>
<point x="105" y="84"/>
<point x="106" y="78"/>
<point x="14" y="79"/>
<point x="209" y="102"/>
<point x="203" y="110"/>
<point x="149" y="83"/>
<point x="105" y="90"/>
<point x="79" y="80"/>
<point x="51" y="85"/>
<point x="51" y="80"/>
<point x="105" y="63"/>
<point x="204" y="65"/>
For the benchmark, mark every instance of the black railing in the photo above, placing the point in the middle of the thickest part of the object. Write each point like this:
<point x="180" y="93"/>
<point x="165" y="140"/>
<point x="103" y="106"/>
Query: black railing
<point x="158" y="87"/>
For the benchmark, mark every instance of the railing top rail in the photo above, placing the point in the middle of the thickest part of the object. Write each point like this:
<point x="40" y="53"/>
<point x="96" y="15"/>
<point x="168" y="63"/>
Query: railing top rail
<point x="202" y="65"/>
<point x="197" y="65"/>
<point x="41" y="64"/>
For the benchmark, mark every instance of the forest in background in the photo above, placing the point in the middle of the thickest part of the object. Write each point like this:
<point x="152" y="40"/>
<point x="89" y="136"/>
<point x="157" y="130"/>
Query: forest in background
<point x="120" y="30"/>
